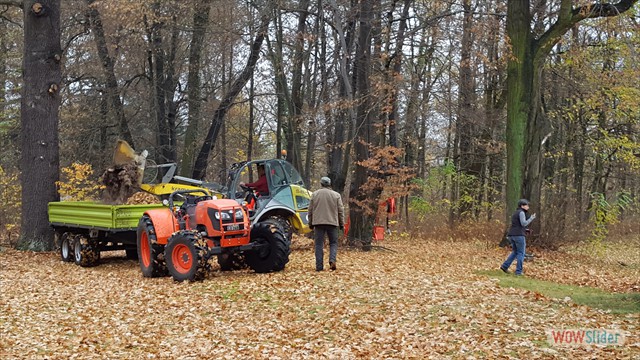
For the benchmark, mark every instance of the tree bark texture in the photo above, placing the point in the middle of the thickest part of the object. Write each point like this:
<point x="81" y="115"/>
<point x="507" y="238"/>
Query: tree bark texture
<point x="39" y="107"/>
<point x="363" y="199"/>
<point x="194" y="101"/>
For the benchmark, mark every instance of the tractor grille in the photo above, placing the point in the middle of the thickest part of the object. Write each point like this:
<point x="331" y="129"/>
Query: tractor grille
<point x="227" y="219"/>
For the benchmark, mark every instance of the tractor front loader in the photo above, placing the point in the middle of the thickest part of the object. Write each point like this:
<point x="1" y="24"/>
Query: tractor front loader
<point x="181" y="239"/>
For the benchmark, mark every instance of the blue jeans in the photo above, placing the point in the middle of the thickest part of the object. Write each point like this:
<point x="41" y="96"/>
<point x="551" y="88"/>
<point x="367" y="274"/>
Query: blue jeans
<point x="318" y="235"/>
<point x="518" y="246"/>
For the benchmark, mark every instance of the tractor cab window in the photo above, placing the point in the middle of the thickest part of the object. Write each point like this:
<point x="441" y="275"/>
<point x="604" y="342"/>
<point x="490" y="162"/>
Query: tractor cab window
<point x="251" y="175"/>
<point x="293" y="175"/>
<point x="277" y="174"/>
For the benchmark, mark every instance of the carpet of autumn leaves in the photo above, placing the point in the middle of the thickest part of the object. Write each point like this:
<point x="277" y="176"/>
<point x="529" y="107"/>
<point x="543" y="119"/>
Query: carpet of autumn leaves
<point x="414" y="299"/>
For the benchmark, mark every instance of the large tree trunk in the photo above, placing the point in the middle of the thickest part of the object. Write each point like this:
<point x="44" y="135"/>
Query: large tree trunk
<point x="194" y="101"/>
<point x="470" y="157"/>
<point x="363" y="197"/>
<point x="340" y="150"/>
<point x="394" y="73"/>
<point x="39" y="134"/>
<point x="292" y="131"/>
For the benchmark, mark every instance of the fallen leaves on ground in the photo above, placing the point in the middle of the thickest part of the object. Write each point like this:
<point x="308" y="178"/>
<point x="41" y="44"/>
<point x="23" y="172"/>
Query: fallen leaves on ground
<point x="412" y="299"/>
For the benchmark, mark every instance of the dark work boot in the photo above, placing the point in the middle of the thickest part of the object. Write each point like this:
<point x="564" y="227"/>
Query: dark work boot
<point x="332" y="265"/>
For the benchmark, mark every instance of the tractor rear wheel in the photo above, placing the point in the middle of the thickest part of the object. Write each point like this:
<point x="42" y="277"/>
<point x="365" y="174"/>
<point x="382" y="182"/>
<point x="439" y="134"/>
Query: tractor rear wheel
<point x="283" y="223"/>
<point x="186" y="254"/>
<point x="273" y="255"/>
<point x="150" y="253"/>
<point x="231" y="261"/>
<point x="85" y="253"/>
<point x="66" y="249"/>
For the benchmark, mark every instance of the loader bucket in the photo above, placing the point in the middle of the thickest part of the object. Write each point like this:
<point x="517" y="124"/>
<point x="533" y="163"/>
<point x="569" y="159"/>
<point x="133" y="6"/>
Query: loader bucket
<point x="124" y="153"/>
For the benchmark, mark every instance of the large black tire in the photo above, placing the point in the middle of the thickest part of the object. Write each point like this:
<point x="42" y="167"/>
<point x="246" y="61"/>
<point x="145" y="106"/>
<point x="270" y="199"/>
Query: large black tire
<point x="231" y="261"/>
<point x="186" y="254"/>
<point x="66" y="247"/>
<point x="272" y="257"/>
<point x="85" y="253"/>
<point x="283" y="223"/>
<point x="150" y="253"/>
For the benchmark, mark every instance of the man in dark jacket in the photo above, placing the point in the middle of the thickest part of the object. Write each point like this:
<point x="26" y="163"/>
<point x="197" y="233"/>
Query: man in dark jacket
<point x="516" y="236"/>
<point x="326" y="215"/>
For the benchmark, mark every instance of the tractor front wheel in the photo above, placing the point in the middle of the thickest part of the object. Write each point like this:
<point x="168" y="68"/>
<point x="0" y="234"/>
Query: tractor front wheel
<point x="186" y="255"/>
<point x="272" y="253"/>
<point x="150" y="253"/>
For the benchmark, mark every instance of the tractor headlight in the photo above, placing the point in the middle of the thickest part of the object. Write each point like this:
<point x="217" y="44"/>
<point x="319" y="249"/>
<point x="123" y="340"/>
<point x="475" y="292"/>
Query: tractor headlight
<point x="223" y="215"/>
<point x="239" y="214"/>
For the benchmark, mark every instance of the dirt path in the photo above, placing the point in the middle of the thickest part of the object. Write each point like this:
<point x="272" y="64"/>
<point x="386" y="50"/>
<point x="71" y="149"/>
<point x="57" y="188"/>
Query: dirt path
<point x="420" y="301"/>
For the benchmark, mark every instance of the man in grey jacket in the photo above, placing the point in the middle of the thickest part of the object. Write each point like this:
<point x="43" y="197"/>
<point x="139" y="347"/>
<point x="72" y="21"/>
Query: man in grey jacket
<point x="326" y="215"/>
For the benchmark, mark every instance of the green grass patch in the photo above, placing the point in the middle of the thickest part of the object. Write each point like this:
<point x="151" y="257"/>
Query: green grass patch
<point x="582" y="295"/>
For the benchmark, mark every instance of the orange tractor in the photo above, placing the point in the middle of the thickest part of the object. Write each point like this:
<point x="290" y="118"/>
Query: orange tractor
<point x="181" y="239"/>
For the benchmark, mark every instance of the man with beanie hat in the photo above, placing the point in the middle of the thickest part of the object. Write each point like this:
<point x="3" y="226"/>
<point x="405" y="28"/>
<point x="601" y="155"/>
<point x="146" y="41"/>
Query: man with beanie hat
<point x="326" y="215"/>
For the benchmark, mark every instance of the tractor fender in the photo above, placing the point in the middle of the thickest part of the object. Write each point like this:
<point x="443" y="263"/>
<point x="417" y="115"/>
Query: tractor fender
<point x="299" y="224"/>
<point x="164" y="223"/>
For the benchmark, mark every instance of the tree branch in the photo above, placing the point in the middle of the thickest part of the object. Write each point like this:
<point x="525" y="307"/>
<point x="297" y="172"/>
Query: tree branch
<point x="602" y="10"/>
<point x="567" y="20"/>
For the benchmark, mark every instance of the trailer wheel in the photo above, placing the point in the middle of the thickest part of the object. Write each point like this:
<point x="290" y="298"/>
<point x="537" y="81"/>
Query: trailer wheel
<point x="186" y="254"/>
<point x="66" y="249"/>
<point x="85" y="253"/>
<point x="274" y="254"/>
<point x="231" y="261"/>
<point x="150" y="253"/>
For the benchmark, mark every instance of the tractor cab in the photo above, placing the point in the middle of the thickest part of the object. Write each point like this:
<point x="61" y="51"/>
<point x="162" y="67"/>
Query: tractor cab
<point x="284" y="195"/>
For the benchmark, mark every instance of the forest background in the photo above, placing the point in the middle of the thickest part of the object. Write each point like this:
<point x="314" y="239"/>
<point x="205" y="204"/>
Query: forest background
<point x="455" y="108"/>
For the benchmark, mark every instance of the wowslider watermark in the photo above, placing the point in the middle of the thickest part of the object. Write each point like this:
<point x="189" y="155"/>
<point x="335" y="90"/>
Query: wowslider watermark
<point x="577" y="337"/>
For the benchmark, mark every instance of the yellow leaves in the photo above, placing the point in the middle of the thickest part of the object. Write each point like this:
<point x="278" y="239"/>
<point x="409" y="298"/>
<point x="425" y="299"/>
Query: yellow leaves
<point x="11" y="200"/>
<point x="78" y="184"/>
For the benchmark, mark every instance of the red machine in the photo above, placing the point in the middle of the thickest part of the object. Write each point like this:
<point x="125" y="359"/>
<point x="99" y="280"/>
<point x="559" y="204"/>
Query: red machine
<point x="180" y="239"/>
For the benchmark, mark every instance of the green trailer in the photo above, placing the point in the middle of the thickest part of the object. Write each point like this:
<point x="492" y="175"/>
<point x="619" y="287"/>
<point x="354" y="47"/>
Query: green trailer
<point x="84" y="229"/>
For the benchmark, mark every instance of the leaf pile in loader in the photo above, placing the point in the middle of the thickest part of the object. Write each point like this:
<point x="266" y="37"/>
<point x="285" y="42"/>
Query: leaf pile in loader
<point x="120" y="182"/>
<point x="142" y="198"/>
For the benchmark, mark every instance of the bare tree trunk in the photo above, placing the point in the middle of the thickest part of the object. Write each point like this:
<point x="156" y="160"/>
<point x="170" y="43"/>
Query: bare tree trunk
<point x="340" y="151"/>
<point x="194" y="101"/>
<point x="363" y="199"/>
<point x="108" y="66"/>
<point x="397" y="57"/>
<point x="40" y="158"/>
<point x="293" y="130"/>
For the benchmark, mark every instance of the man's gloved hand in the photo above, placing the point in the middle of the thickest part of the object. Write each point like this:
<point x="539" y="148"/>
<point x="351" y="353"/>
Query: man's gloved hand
<point x="533" y="216"/>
